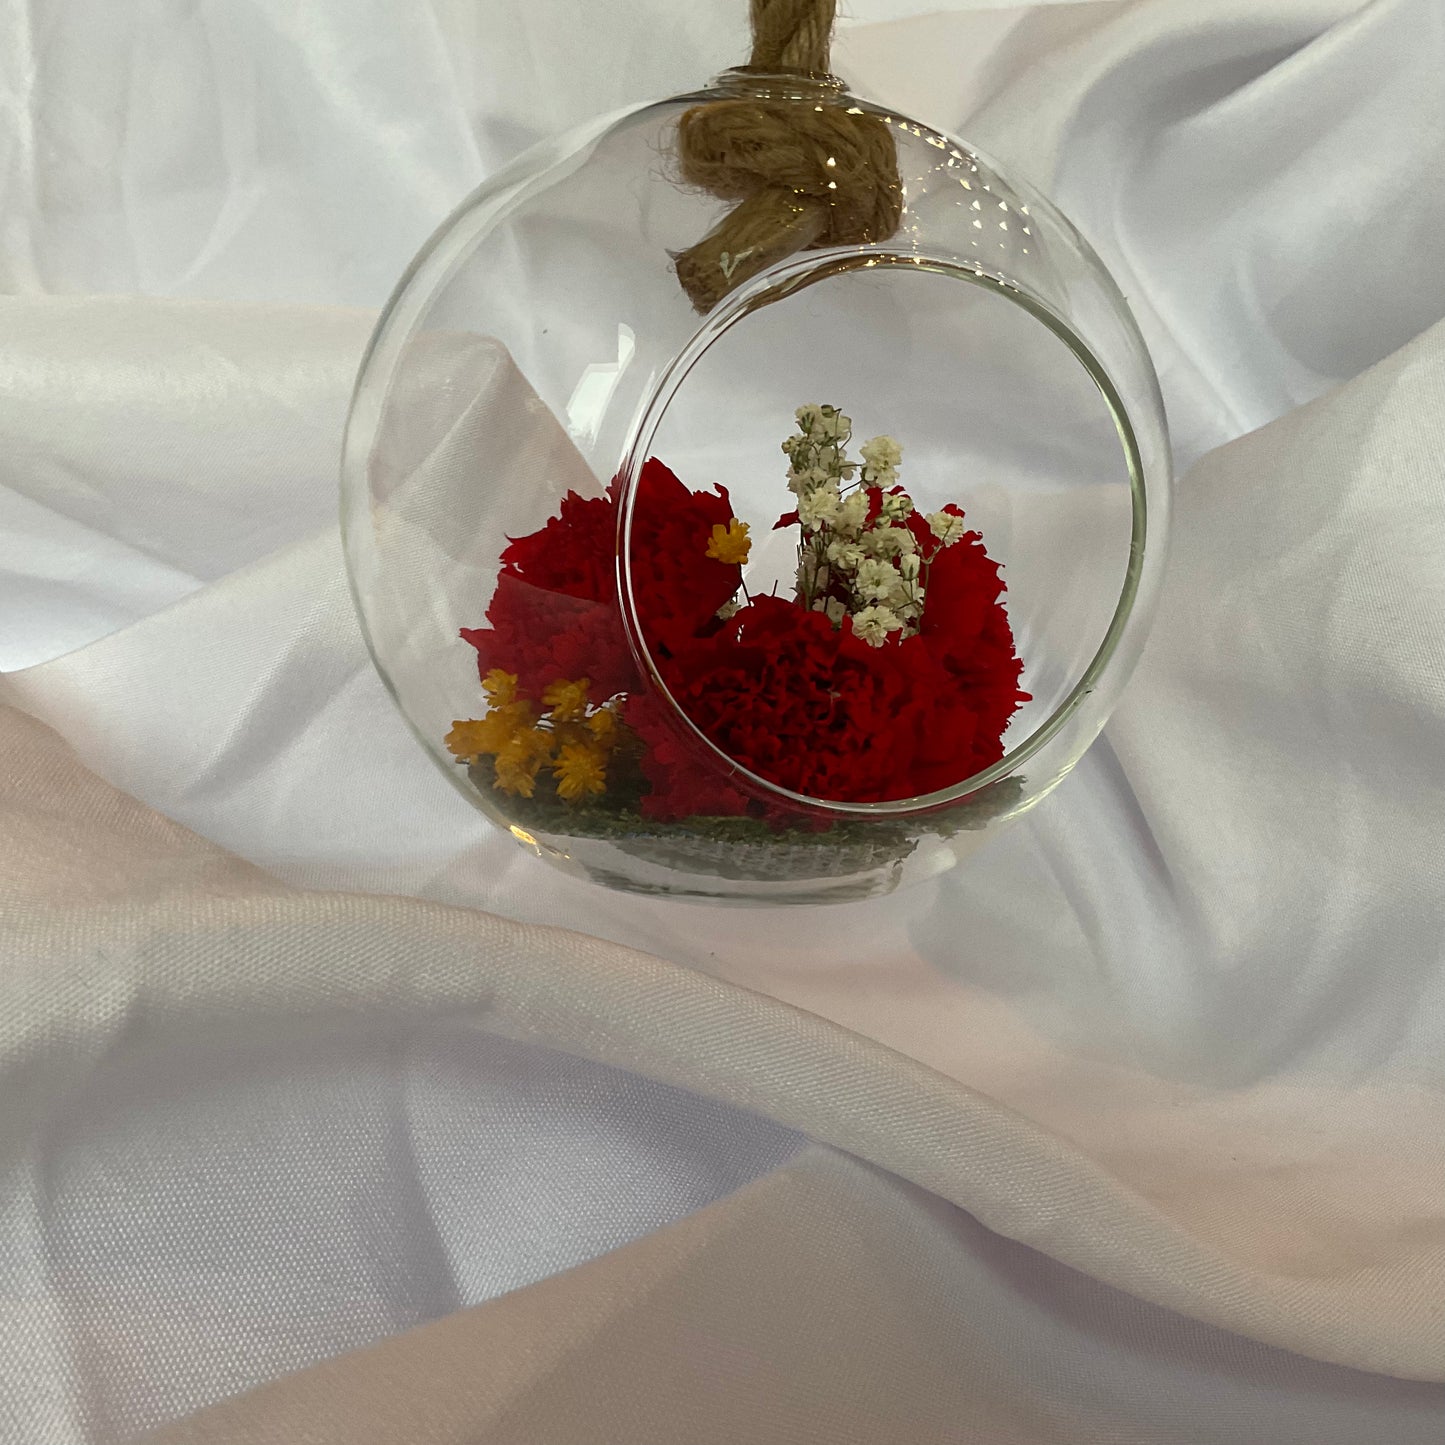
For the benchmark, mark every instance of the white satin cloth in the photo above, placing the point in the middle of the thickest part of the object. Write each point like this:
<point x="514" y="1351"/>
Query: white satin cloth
<point x="1131" y="1130"/>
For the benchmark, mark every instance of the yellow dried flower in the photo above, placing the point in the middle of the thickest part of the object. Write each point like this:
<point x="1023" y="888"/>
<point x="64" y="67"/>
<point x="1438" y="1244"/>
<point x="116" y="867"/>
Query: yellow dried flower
<point x="729" y="544"/>
<point x="500" y="687"/>
<point x="466" y="738"/>
<point x="519" y="779"/>
<point x="568" y="700"/>
<point x="478" y="737"/>
<point x="519" y="761"/>
<point x="580" y="770"/>
<point x="603" y="727"/>
<point x="531" y="742"/>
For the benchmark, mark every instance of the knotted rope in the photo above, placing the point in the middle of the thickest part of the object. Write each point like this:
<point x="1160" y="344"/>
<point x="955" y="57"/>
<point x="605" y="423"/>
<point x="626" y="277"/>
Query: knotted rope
<point x="803" y="174"/>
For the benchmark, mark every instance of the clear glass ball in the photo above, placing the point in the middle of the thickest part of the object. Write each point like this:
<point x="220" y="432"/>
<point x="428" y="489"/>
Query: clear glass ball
<point x="541" y="345"/>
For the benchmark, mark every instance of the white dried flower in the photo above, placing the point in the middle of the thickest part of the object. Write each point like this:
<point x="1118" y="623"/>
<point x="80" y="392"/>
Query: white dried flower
<point x="852" y="514"/>
<point x="896" y="506"/>
<point x="909" y="566"/>
<point x="946" y="527"/>
<point x="819" y="506"/>
<point x="877" y="580"/>
<point x="729" y="610"/>
<point x="836" y="611"/>
<point x="888" y="542"/>
<point x="873" y="624"/>
<point x="802" y="480"/>
<point x="821" y="424"/>
<point x="825" y="423"/>
<point x="881" y="454"/>
<point x="845" y="556"/>
<point x="880" y="461"/>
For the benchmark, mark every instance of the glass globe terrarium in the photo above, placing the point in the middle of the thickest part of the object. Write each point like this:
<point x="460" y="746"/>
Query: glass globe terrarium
<point x="716" y="549"/>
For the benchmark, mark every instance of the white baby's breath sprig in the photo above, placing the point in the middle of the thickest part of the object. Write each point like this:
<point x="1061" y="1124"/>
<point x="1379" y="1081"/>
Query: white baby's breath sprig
<point x="885" y="541"/>
<point x="859" y="557"/>
<point x="877" y="580"/>
<point x="947" y="527"/>
<point x="852" y="515"/>
<point x="819" y="506"/>
<point x="874" y="624"/>
<point x="881" y="457"/>
<point x="897" y="507"/>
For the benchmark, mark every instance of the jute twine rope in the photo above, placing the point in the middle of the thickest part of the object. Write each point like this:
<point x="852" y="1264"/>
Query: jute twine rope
<point x="802" y="174"/>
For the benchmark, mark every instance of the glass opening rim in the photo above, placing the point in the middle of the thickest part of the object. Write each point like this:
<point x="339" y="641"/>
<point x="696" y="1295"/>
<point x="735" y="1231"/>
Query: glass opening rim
<point x="774" y="284"/>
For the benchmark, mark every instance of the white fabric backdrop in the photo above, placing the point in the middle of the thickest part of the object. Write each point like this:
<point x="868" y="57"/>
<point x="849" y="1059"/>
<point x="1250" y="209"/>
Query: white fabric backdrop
<point x="1208" y="971"/>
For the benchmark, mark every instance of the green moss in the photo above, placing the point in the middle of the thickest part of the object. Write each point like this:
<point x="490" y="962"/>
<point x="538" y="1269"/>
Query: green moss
<point x="602" y="818"/>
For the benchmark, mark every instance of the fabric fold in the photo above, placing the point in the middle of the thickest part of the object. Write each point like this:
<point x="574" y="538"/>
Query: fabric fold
<point x="263" y="957"/>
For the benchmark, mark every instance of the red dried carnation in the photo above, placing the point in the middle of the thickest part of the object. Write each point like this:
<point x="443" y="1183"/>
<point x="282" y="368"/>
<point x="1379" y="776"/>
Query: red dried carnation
<point x="541" y="636"/>
<point x="574" y="553"/>
<point x="555" y="611"/>
<point x="676" y="586"/>
<point x="683" y="782"/>
<point x="815" y="709"/>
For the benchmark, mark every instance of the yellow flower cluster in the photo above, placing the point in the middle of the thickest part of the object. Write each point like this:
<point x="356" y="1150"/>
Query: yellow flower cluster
<point x="563" y="738"/>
